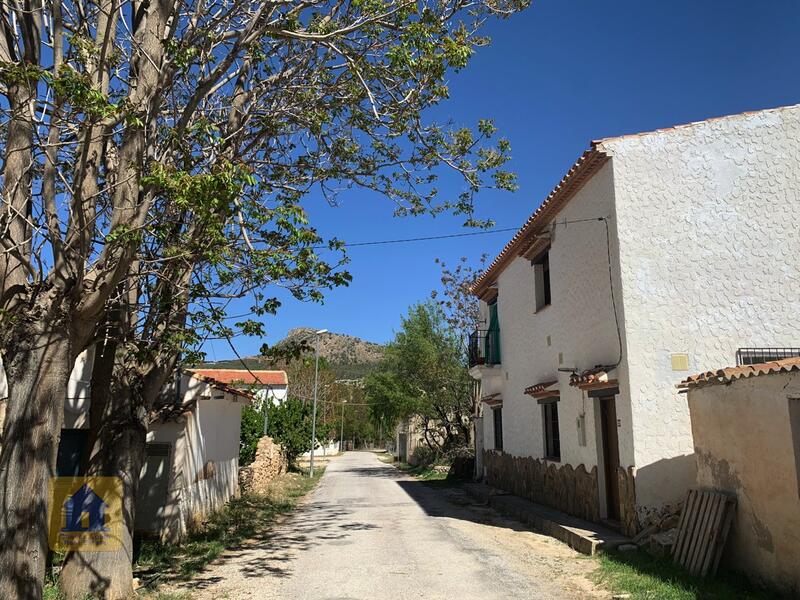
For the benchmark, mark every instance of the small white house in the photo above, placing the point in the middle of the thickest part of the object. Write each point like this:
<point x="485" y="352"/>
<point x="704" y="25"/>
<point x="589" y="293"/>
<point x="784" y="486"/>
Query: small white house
<point x="192" y="454"/>
<point x="192" y="463"/>
<point x="272" y="386"/>
<point x="658" y="254"/>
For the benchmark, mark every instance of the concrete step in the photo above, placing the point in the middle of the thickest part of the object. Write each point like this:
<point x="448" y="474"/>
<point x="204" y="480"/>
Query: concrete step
<point x="584" y="536"/>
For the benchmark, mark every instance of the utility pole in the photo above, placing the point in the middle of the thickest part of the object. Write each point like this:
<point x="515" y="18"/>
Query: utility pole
<point x="341" y="435"/>
<point x="314" y="411"/>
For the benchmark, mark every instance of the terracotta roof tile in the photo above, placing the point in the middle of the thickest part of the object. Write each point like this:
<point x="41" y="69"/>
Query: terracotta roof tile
<point x="730" y="374"/>
<point x="243" y="376"/>
<point x="539" y="390"/>
<point x="583" y="168"/>
<point x="591" y="377"/>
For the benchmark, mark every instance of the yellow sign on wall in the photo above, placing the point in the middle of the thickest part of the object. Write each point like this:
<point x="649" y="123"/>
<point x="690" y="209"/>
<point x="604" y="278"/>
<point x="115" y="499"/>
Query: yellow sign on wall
<point x="85" y="513"/>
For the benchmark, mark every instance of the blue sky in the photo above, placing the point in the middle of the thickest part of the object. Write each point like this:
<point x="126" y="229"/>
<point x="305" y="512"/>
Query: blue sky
<point x="560" y="74"/>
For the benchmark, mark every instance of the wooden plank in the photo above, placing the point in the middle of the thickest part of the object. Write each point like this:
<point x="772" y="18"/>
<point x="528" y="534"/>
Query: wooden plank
<point x="697" y="534"/>
<point x="683" y="534"/>
<point x="691" y="541"/>
<point x="730" y="510"/>
<point x="704" y="540"/>
<point x="682" y="525"/>
<point x="711" y="540"/>
<point x="687" y="532"/>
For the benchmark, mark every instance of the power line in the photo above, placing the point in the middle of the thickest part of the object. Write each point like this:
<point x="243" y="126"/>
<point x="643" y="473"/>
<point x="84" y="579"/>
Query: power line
<point x="425" y="239"/>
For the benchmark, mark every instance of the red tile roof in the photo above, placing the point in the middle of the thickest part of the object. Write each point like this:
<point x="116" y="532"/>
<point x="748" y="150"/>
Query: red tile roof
<point x="542" y="390"/>
<point x="730" y="374"/>
<point x="592" y="378"/>
<point x="243" y="376"/>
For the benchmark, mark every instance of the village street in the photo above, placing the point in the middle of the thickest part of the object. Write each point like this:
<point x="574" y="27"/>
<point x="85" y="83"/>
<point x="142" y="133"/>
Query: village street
<point x="369" y="531"/>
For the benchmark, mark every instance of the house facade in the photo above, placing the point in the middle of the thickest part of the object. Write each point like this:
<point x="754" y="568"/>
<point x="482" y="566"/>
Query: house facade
<point x="759" y="407"/>
<point x="192" y="455"/>
<point x="621" y="283"/>
<point x="192" y="458"/>
<point x="272" y="386"/>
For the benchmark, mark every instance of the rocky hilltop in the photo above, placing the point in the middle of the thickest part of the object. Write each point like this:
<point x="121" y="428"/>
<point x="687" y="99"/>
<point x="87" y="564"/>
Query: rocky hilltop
<point x="349" y="357"/>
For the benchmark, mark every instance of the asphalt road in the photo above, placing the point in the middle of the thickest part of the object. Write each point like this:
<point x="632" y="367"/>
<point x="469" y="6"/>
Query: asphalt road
<point x="371" y="532"/>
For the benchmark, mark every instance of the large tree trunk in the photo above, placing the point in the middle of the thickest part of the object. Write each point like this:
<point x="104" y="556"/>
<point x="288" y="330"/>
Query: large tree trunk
<point x="122" y="394"/>
<point x="118" y="425"/>
<point x="38" y="372"/>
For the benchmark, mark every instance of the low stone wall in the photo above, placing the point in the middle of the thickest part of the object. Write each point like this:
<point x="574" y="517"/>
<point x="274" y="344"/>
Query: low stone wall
<point x="270" y="462"/>
<point x="572" y="490"/>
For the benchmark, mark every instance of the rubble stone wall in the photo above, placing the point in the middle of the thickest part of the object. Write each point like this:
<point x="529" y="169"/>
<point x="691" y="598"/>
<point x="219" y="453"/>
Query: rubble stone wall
<point x="270" y="462"/>
<point x="572" y="490"/>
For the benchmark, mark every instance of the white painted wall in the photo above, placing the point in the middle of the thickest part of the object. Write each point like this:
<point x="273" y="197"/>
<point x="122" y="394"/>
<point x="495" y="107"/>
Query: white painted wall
<point x="209" y="432"/>
<point x="707" y="217"/>
<point x="704" y="238"/>
<point x="579" y="322"/>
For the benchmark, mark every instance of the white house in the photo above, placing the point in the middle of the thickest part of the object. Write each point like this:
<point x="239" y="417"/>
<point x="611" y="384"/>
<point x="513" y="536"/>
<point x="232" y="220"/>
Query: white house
<point x="192" y="454"/>
<point x="266" y="385"/>
<point x="192" y="463"/>
<point x="657" y="254"/>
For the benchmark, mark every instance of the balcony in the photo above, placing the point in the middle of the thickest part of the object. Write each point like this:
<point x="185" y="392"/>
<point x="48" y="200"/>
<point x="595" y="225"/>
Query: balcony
<point x="484" y="348"/>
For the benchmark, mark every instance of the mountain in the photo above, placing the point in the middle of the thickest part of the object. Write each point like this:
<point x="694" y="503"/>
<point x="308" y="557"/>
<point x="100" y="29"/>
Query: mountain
<point x="348" y="356"/>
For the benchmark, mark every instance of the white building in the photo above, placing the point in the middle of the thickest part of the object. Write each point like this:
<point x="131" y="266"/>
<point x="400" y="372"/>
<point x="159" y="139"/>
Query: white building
<point x="192" y="454"/>
<point x="266" y="385"/>
<point x="658" y="254"/>
<point x="192" y="464"/>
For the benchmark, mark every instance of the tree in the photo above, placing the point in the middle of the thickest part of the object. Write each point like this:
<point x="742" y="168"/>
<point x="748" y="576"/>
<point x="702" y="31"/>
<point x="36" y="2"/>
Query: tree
<point x="290" y="426"/>
<point x="111" y="107"/>
<point x="425" y="374"/>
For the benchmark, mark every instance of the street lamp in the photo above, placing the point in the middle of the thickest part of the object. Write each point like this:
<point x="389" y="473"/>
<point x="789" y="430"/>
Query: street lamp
<point x="316" y="385"/>
<point x="341" y="435"/>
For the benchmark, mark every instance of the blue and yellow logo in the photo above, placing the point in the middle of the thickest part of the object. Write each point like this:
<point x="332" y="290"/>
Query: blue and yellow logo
<point x="85" y="513"/>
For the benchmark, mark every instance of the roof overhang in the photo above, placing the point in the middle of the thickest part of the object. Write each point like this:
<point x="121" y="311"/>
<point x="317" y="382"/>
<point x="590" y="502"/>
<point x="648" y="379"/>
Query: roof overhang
<point x="534" y="235"/>
<point x="493" y="400"/>
<point x="545" y="389"/>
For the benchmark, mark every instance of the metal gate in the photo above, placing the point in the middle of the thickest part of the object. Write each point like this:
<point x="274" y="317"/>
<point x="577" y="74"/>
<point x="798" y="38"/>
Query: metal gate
<point x="151" y="498"/>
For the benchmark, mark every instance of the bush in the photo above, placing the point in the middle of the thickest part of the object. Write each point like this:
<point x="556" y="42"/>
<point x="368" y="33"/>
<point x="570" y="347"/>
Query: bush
<point x="252" y="430"/>
<point x="424" y="456"/>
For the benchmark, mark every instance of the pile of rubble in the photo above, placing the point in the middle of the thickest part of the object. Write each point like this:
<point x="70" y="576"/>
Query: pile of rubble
<point x="660" y="530"/>
<point x="270" y="462"/>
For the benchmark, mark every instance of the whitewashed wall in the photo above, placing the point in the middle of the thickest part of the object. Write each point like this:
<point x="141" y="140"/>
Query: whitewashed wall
<point x="579" y="322"/>
<point x="210" y="432"/>
<point x="708" y="221"/>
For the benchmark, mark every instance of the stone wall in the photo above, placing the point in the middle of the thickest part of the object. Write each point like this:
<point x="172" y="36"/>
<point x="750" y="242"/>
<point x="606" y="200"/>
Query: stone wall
<point x="572" y="490"/>
<point x="270" y="462"/>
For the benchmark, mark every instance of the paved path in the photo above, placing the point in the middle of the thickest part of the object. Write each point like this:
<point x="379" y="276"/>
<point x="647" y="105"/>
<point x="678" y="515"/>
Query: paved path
<point x="370" y="532"/>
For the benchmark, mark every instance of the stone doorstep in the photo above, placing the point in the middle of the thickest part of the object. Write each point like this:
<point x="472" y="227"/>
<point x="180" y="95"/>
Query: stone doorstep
<point x="584" y="536"/>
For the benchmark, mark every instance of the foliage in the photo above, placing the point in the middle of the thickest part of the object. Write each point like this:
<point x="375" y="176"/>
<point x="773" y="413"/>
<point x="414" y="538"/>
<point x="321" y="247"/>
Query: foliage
<point x="290" y="426"/>
<point x="646" y="577"/>
<point x="425" y="374"/>
<point x="252" y="431"/>
<point x="459" y="305"/>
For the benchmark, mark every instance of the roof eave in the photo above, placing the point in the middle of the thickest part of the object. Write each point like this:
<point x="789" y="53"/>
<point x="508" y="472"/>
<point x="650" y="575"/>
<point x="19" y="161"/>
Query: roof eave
<point x="580" y="172"/>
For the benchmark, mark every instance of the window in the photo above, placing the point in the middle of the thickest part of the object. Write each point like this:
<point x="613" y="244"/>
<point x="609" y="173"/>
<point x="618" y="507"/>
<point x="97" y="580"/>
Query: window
<point x="498" y="428"/>
<point x="541" y="273"/>
<point x="552" y="442"/>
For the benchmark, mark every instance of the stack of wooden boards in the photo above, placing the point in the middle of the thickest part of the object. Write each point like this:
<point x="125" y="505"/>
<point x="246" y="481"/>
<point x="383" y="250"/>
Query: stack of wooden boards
<point x="702" y="531"/>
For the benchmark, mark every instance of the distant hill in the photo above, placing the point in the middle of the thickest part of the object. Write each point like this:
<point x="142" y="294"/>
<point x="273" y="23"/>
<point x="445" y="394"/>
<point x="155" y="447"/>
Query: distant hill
<point x="348" y="356"/>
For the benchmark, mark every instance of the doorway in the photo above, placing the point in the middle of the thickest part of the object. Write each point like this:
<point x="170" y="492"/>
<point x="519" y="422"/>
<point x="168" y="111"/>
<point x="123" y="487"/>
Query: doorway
<point x="608" y="424"/>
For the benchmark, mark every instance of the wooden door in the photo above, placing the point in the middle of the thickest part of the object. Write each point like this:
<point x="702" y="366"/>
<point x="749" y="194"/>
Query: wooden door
<point x="608" y="417"/>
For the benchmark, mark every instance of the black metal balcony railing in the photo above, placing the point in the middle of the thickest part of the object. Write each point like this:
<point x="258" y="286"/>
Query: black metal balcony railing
<point x="754" y="356"/>
<point x="484" y="347"/>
